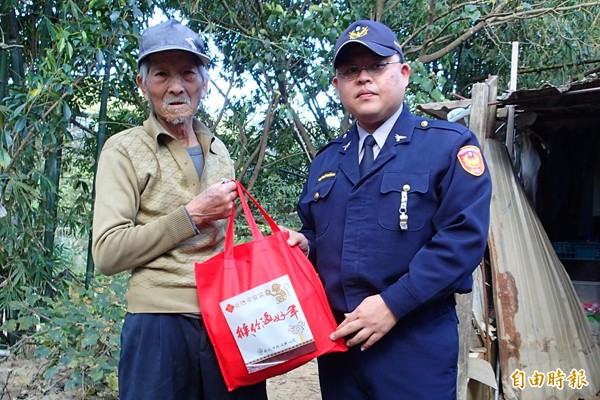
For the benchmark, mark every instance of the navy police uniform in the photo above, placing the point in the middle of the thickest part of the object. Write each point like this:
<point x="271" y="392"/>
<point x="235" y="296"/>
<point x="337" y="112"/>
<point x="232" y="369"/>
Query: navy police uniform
<point x="431" y="174"/>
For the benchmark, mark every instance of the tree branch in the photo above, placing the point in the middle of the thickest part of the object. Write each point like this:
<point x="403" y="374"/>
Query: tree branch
<point x="264" y="139"/>
<point x="462" y="38"/>
<point x="439" y="17"/>
<point x="232" y="14"/>
<point x="225" y="95"/>
<point x="496" y="17"/>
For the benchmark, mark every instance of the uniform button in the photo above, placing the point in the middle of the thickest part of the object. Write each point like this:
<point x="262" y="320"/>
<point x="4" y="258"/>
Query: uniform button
<point x="345" y="135"/>
<point x="316" y="196"/>
<point x="406" y="188"/>
<point x="424" y="124"/>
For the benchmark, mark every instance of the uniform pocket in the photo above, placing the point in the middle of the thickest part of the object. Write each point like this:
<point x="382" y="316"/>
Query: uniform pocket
<point x="415" y="204"/>
<point x="318" y="198"/>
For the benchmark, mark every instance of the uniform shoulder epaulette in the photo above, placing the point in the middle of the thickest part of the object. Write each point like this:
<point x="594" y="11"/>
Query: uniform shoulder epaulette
<point x="426" y="123"/>
<point x="337" y="140"/>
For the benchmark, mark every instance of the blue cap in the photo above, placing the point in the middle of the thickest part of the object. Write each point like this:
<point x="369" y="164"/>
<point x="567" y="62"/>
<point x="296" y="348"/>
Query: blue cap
<point x="171" y="35"/>
<point x="372" y="34"/>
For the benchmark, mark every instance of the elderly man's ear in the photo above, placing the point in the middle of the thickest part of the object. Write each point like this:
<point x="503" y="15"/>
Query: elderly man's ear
<point x="138" y="80"/>
<point x="204" y="89"/>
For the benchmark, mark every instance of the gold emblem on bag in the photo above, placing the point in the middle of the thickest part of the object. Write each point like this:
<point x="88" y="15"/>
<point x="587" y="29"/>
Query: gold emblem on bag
<point x="279" y="294"/>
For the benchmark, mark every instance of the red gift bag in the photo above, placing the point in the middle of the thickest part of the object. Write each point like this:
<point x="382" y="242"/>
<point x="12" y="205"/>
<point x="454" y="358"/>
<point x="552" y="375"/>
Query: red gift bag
<point x="263" y="305"/>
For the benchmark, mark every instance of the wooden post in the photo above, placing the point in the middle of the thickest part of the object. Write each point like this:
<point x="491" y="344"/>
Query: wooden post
<point x="492" y="83"/>
<point x="479" y="124"/>
<point x="465" y="330"/>
<point x="478" y="120"/>
<point x="510" y="122"/>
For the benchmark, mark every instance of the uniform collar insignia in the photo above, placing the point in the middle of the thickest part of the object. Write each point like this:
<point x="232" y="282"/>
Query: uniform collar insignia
<point x="399" y="138"/>
<point x="345" y="147"/>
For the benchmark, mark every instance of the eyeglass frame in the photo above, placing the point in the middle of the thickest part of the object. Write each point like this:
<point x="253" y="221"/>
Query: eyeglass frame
<point x="371" y="69"/>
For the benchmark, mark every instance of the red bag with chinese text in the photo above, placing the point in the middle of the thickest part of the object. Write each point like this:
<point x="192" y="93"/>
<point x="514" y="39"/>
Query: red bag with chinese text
<point x="263" y="305"/>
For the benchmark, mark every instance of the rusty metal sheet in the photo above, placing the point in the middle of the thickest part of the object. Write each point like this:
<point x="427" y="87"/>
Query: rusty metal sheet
<point x="542" y="328"/>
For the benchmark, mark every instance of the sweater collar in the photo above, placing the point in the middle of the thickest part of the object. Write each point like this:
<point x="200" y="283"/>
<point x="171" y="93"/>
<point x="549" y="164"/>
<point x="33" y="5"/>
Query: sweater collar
<point x="155" y="130"/>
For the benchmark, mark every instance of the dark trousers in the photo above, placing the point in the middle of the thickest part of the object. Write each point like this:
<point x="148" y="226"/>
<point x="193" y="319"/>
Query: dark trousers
<point x="170" y="357"/>
<point x="416" y="360"/>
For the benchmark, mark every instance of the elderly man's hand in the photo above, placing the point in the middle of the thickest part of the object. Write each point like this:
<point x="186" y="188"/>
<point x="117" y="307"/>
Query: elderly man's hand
<point x="369" y="322"/>
<point x="214" y="203"/>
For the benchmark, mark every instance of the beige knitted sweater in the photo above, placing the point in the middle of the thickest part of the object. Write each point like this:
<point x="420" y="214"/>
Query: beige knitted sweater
<point x="144" y="179"/>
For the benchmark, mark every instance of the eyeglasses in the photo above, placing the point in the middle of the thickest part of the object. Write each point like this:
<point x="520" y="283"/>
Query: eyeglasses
<point x="373" y="69"/>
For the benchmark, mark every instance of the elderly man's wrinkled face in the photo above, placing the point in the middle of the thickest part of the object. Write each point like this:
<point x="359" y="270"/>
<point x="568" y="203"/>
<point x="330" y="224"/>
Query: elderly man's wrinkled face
<point x="174" y="86"/>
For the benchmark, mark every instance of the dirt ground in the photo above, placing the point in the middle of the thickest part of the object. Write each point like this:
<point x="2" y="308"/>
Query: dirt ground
<point x="299" y="384"/>
<point x="20" y="379"/>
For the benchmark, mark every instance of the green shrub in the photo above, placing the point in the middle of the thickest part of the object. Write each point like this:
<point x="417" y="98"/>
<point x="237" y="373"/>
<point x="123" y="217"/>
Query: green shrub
<point x="77" y="333"/>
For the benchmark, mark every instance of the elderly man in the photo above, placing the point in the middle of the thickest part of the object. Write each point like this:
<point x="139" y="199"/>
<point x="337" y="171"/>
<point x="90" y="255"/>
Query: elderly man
<point x="395" y="215"/>
<point x="160" y="206"/>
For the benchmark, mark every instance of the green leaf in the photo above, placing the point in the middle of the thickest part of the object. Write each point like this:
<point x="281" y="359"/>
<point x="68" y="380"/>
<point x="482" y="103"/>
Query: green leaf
<point x="4" y="158"/>
<point x="9" y="326"/>
<point x="90" y="339"/>
<point x="42" y="351"/>
<point x="97" y="374"/>
<point x="61" y="44"/>
<point x="70" y="50"/>
<point x="50" y="372"/>
<point x="66" y="111"/>
<point x="74" y="382"/>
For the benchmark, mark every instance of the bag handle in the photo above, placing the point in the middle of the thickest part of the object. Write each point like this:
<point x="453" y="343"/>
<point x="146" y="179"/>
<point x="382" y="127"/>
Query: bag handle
<point x="256" y="234"/>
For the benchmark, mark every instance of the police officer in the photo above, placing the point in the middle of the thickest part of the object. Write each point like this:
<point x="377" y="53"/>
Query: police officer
<point x="395" y="242"/>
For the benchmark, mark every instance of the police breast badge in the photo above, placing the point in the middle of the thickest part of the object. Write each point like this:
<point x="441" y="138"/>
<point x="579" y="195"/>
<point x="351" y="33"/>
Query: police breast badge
<point x="471" y="160"/>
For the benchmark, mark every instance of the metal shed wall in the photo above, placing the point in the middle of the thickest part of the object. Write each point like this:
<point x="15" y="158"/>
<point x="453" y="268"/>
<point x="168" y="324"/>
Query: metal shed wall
<point x="541" y="324"/>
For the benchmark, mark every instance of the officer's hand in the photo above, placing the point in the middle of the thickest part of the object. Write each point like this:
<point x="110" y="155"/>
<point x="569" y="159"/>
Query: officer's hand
<point x="369" y="322"/>
<point x="214" y="203"/>
<point x="296" y="239"/>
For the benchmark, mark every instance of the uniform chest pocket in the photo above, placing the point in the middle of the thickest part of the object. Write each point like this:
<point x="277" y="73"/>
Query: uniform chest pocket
<point x="406" y="201"/>
<point x="318" y="198"/>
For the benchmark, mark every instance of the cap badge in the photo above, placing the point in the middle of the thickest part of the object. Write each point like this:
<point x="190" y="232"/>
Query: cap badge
<point x="471" y="160"/>
<point x="191" y="43"/>
<point x="359" y="32"/>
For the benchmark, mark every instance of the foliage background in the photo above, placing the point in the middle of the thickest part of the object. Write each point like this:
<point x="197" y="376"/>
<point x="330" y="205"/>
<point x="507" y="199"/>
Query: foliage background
<point x="67" y="70"/>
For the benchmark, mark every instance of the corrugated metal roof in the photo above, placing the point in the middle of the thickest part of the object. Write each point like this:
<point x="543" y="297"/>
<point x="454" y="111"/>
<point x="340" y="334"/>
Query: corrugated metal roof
<point x="575" y="98"/>
<point x="541" y="325"/>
